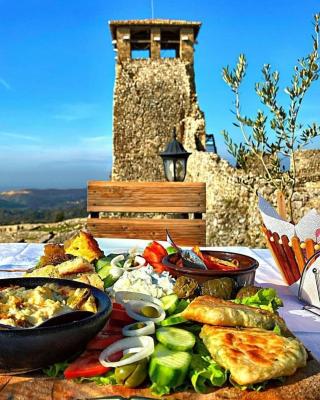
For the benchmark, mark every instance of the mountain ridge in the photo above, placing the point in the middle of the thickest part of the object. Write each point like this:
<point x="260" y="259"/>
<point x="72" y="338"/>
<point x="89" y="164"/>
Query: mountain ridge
<point x="41" y="205"/>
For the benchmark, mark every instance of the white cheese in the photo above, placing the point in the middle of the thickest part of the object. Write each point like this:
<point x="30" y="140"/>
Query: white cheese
<point x="145" y="280"/>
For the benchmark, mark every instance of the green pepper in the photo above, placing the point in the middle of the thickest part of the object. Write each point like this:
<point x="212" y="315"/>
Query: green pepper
<point x="132" y="375"/>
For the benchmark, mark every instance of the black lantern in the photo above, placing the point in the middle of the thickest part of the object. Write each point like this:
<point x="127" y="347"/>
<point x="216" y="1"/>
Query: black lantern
<point x="175" y="160"/>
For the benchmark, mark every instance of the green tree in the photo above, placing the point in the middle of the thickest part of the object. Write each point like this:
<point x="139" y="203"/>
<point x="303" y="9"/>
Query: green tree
<point x="290" y="133"/>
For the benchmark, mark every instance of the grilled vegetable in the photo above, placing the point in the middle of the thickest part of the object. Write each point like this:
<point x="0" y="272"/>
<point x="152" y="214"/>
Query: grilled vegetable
<point x="186" y="287"/>
<point x="168" y="369"/>
<point x="212" y="262"/>
<point x="222" y="288"/>
<point x="247" y="291"/>
<point x="175" y="338"/>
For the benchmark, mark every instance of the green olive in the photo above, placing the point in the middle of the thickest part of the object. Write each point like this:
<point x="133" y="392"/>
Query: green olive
<point x="122" y="373"/>
<point x="150" y="312"/>
<point x="132" y="375"/>
<point x="139" y="374"/>
<point x="137" y="325"/>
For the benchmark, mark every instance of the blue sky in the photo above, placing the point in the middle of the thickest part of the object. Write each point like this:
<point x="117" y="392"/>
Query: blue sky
<point x="57" y="75"/>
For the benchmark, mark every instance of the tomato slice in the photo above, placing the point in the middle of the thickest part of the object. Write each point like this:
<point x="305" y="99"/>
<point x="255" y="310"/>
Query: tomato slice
<point x="113" y="327"/>
<point x="102" y="340"/>
<point x="154" y="253"/>
<point x="120" y="315"/>
<point x="85" y="366"/>
<point x="159" y="267"/>
<point x="117" y="306"/>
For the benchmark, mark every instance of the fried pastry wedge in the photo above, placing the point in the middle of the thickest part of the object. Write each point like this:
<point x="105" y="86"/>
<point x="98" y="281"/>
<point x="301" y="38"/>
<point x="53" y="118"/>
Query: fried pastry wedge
<point x="83" y="245"/>
<point x="213" y="311"/>
<point x="253" y="355"/>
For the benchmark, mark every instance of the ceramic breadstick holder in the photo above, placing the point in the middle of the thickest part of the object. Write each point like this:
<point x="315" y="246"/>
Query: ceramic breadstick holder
<point x="309" y="288"/>
<point x="291" y="245"/>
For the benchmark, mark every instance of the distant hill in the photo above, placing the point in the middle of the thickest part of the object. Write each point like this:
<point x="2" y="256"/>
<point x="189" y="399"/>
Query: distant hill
<point x="41" y="205"/>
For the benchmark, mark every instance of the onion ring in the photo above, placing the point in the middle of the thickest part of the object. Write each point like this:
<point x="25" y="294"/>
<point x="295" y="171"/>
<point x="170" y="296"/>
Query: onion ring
<point x="146" y="344"/>
<point x="148" y="329"/>
<point x="123" y="296"/>
<point x="133" y="308"/>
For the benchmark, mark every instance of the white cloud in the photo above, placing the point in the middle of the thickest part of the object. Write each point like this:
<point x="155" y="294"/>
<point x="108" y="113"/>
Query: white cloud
<point x="20" y="136"/>
<point x="77" y="111"/>
<point x="5" y="84"/>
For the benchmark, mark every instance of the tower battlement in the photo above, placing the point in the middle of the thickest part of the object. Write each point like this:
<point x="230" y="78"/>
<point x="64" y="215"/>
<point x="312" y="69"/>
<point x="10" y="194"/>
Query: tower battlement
<point x="154" y="35"/>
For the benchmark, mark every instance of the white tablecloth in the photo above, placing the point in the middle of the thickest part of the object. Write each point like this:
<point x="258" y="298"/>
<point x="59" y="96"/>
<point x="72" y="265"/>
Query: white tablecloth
<point x="305" y="325"/>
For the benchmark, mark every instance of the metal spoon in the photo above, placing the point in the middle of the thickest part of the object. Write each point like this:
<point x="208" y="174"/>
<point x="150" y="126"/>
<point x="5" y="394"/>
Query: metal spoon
<point x="71" y="316"/>
<point x="190" y="258"/>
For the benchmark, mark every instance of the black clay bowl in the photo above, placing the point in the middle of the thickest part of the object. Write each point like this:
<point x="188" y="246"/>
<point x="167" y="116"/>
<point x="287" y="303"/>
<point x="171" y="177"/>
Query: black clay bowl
<point x="29" y="349"/>
<point x="244" y="275"/>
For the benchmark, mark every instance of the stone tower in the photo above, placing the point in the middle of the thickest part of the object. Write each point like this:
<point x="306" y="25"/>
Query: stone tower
<point x="154" y="92"/>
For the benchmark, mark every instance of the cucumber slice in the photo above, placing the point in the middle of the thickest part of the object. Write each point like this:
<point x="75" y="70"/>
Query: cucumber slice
<point x="104" y="271"/>
<point x="170" y="303"/>
<point x="103" y="261"/>
<point x="168" y="369"/>
<point x="182" y="305"/>
<point x="174" y="319"/>
<point x="176" y="338"/>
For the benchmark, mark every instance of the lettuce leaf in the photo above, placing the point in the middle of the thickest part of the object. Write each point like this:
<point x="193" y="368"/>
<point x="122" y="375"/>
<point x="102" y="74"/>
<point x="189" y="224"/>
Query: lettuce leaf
<point x="257" y="387"/>
<point x="277" y="330"/>
<point x="107" y="379"/>
<point x="205" y="373"/>
<point x="266" y="299"/>
<point x="56" y="369"/>
<point x="200" y="348"/>
<point x="158" y="390"/>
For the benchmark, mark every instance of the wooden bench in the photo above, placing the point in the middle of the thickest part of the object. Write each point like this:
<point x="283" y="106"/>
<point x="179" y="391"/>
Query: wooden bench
<point x="148" y="197"/>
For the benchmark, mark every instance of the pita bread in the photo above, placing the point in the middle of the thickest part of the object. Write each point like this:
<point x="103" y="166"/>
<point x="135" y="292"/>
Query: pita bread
<point x="253" y="355"/>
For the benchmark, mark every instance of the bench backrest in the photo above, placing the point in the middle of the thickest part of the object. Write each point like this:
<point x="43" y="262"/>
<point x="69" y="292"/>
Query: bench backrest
<point x="148" y="197"/>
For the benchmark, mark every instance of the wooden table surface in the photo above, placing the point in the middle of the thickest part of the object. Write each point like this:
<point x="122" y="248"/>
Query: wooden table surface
<point x="303" y="385"/>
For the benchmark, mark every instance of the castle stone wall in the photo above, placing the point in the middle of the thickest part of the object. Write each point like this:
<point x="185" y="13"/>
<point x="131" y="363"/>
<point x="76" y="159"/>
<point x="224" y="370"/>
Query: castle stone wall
<point x="232" y="214"/>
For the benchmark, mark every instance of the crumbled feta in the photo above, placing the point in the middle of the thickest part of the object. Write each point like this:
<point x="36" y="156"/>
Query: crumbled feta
<point x="145" y="280"/>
